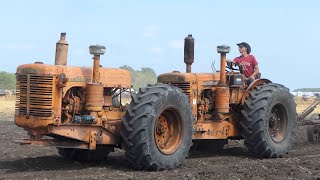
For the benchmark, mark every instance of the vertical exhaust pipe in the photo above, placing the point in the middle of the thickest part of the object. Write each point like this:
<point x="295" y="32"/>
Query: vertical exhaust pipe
<point x="188" y="52"/>
<point x="61" y="51"/>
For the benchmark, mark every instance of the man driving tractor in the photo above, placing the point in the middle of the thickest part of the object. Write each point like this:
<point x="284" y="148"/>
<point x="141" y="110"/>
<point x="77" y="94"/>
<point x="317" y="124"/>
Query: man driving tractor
<point x="247" y="63"/>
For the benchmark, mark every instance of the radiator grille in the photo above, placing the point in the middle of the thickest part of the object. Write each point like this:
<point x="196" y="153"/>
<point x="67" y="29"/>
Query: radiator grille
<point x="184" y="86"/>
<point x="34" y="95"/>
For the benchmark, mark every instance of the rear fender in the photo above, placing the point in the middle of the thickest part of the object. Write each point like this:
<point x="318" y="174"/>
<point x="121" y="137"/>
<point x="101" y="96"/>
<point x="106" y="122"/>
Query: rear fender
<point x="254" y="84"/>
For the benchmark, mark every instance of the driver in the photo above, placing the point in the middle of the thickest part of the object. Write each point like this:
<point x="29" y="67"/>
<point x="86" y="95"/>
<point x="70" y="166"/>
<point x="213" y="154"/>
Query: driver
<point x="247" y="63"/>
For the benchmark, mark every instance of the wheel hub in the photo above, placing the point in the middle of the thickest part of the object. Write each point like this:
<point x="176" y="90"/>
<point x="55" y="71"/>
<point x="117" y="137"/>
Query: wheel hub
<point x="277" y="123"/>
<point x="168" y="131"/>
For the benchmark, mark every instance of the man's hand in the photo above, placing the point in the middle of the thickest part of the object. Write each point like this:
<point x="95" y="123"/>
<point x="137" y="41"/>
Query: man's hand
<point x="230" y="63"/>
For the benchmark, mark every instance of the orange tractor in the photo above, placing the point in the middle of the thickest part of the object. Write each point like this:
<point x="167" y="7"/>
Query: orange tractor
<point x="80" y="111"/>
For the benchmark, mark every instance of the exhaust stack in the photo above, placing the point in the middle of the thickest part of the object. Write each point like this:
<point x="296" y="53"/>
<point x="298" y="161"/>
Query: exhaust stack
<point x="61" y="51"/>
<point x="188" y="52"/>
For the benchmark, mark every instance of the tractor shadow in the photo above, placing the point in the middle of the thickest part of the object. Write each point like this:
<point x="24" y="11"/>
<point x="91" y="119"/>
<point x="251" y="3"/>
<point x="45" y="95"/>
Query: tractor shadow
<point x="241" y="152"/>
<point x="56" y="162"/>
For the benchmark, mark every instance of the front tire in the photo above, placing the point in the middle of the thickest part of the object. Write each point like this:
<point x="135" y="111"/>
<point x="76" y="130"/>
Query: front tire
<point x="269" y="121"/>
<point x="157" y="128"/>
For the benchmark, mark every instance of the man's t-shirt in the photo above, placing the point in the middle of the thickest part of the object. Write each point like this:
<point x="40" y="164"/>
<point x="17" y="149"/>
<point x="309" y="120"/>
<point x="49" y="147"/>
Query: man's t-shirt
<point x="246" y="64"/>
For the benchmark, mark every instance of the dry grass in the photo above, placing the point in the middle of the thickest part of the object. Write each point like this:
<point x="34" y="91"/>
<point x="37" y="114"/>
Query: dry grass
<point x="7" y="105"/>
<point x="302" y="105"/>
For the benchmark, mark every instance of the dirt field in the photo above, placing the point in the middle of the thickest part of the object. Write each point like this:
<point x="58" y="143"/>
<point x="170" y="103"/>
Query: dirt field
<point x="27" y="162"/>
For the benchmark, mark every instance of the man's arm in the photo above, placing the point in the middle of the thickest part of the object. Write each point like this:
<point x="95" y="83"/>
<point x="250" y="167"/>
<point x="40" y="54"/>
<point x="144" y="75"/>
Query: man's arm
<point x="256" y="71"/>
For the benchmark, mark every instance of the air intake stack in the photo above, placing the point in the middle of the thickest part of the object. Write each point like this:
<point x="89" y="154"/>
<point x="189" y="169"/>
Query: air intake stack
<point x="222" y="93"/>
<point x="94" y="99"/>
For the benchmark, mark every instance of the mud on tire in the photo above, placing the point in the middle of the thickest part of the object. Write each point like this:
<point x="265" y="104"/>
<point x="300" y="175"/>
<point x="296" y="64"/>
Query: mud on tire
<point x="269" y="121"/>
<point x="157" y="128"/>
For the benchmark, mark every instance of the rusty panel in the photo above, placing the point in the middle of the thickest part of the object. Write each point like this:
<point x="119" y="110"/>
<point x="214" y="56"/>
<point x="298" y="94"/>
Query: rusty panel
<point x="109" y="77"/>
<point x="82" y="133"/>
<point x="32" y="122"/>
<point x="215" y="130"/>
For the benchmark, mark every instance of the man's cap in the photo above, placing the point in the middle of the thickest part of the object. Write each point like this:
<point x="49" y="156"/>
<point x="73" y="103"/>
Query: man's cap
<point x="246" y="45"/>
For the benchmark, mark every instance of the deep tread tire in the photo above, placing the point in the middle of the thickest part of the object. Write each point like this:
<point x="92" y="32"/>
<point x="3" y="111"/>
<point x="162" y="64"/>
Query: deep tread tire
<point x="83" y="154"/>
<point x="256" y="121"/>
<point x="139" y="122"/>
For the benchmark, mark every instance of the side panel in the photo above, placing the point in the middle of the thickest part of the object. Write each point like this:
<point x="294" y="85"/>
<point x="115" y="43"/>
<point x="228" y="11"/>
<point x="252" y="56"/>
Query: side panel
<point x="215" y="130"/>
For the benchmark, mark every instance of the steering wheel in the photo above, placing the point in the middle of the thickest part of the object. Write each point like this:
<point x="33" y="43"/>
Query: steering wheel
<point x="232" y="66"/>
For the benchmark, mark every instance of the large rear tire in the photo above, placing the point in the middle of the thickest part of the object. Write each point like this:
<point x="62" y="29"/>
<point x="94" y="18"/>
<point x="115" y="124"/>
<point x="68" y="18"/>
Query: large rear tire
<point x="270" y="120"/>
<point x="157" y="128"/>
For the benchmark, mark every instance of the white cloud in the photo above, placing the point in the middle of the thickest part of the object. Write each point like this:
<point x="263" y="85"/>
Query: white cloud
<point x="150" y="31"/>
<point x="177" y="44"/>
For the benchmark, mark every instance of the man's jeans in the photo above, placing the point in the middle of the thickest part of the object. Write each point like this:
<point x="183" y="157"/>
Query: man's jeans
<point x="249" y="81"/>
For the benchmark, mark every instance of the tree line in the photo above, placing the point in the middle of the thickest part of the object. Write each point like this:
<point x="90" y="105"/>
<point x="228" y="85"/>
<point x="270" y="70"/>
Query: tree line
<point x="307" y="90"/>
<point x="139" y="78"/>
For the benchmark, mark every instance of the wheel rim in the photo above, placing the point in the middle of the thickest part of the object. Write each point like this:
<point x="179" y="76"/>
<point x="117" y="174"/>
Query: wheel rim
<point x="278" y="121"/>
<point x="168" y="131"/>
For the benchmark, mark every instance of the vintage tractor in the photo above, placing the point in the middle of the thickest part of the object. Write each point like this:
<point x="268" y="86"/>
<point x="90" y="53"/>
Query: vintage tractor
<point x="79" y="109"/>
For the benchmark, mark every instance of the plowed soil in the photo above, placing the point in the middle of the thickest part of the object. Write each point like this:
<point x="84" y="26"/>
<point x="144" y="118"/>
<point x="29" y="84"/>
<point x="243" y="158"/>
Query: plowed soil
<point x="233" y="162"/>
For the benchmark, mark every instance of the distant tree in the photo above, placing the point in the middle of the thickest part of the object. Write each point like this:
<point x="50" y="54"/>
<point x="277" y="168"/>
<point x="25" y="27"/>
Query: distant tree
<point x="141" y="78"/>
<point x="307" y="90"/>
<point x="7" y="80"/>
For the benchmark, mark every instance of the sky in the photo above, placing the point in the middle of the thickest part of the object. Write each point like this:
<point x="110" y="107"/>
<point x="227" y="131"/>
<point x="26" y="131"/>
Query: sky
<point x="284" y="35"/>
